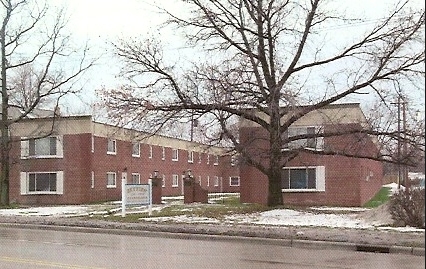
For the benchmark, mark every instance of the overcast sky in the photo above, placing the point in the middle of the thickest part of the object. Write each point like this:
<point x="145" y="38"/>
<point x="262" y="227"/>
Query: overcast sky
<point x="102" y="21"/>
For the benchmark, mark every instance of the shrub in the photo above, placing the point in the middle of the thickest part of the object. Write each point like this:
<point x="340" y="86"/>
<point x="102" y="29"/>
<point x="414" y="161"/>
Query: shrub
<point x="407" y="207"/>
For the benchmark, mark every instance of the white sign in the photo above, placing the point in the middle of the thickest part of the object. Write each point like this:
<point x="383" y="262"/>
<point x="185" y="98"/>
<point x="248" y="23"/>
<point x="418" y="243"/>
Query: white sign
<point x="137" y="194"/>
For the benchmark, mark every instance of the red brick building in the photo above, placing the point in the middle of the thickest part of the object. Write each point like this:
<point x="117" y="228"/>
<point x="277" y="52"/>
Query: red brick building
<point x="314" y="179"/>
<point x="83" y="161"/>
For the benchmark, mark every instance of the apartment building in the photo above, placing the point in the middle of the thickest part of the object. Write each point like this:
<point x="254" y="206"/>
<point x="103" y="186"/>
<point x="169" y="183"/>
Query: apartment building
<point x="75" y="160"/>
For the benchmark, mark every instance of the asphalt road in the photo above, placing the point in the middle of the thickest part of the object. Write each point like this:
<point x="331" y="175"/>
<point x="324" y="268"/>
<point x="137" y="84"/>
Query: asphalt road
<point x="32" y="248"/>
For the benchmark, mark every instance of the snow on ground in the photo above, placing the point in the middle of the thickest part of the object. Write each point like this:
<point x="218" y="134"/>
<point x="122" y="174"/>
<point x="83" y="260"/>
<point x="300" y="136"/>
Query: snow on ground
<point x="334" y="217"/>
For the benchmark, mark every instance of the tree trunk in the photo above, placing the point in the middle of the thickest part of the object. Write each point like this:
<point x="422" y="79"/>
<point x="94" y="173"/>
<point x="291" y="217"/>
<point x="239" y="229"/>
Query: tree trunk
<point x="4" y="125"/>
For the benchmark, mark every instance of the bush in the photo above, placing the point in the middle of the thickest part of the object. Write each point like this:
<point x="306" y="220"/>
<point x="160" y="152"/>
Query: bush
<point x="407" y="207"/>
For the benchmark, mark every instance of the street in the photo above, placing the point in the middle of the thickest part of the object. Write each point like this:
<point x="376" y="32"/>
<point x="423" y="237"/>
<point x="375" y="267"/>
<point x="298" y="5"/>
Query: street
<point x="30" y="248"/>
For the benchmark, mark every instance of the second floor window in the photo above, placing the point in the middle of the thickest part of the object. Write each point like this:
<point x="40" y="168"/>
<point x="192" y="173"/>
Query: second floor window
<point x="313" y="142"/>
<point x="112" y="146"/>
<point x="46" y="147"/>
<point x="136" y="149"/>
<point x="190" y="156"/>
<point x="42" y="146"/>
<point x="175" y="155"/>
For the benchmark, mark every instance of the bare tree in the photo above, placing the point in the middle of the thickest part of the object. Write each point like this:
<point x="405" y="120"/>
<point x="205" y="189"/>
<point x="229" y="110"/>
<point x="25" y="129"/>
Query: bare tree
<point x="36" y="72"/>
<point x="273" y="57"/>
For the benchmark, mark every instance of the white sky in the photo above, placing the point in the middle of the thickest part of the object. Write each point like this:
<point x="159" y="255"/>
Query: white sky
<point x="103" y="21"/>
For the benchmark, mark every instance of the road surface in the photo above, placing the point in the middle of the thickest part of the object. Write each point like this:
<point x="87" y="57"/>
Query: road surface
<point x="30" y="248"/>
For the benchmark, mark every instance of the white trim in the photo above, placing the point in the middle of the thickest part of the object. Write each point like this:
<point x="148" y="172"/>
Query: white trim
<point x="24" y="183"/>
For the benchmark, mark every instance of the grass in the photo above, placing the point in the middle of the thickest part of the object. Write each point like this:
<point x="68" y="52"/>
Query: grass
<point x="381" y="197"/>
<point x="219" y="210"/>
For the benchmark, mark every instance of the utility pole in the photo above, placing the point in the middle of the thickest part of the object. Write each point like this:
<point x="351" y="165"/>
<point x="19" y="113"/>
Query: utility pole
<point x="402" y="145"/>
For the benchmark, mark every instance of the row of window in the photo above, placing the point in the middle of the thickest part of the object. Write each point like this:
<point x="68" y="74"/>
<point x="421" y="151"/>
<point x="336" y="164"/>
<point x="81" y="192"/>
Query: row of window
<point x="294" y="178"/>
<point x="52" y="182"/>
<point x="135" y="178"/>
<point x="51" y="147"/>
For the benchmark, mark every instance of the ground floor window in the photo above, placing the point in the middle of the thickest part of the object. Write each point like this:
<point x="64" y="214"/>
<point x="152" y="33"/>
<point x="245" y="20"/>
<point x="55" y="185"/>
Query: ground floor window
<point x="42" y="182"/>
<point x="111" y="180"/>
<point x="234" y="181"/>
<point x="303" y="178"/>
<point x="175" y="180"/>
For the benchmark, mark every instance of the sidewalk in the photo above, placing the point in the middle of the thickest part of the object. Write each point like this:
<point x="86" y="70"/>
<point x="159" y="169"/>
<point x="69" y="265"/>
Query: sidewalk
<point x="370" y="240"/>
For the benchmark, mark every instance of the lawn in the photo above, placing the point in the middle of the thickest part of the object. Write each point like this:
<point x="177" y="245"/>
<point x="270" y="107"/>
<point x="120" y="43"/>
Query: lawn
<point x="381" y="197"/>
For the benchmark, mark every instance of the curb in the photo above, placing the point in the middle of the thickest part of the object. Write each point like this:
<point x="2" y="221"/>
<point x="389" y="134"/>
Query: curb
<point x="297" y="243"/>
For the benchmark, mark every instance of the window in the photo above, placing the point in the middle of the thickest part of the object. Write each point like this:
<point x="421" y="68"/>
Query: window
<point x="112" y="146"/>
<point x="136" y="149"/>
<point x="303" y="178"/>
<point x="136" y="178"/>
<point x="42" y="182"/>
<point x="175" y="155"/>
<point x="199" y="157"/>
<point x="46" y="147"/>
<point x="316" y="143"/>
<point x="234" y="160"/>
<point x="199" y="180"/>
<point x="190" y="156"/>
<point x="216" y="181"/>
<point x="150" y="152"/>
<point x="93" y="143"/>
<point x="175" y="180"/>
<point x="163" y="153"/>
<point x="234" y="181"/>
<point x="111" y="180"/>
<point x="92" y="181"/>
<point x="216" y="160"/>
<point x="208" y="181"/>
<point x="163" y="181"/>
<point x="208" y="158"/>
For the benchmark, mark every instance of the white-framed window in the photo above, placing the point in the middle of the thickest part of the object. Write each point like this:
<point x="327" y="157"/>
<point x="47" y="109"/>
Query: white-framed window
<point x="112" y="146"/>
<point x="46" y="147"/>
<point x="216" y="160"/>
<point x="199" y="180"/>
<point x="208" y="181"/>
<point x="136" y="178"/>
<point x="308" y="178"/>
<point x="93" y="143"/>
<point x="208" y="158"/>
<point x="175" y="155"/>
<point x="234" y="181"/>
<point x="175" y="180"/>
<point x="313" y="142"/>
<point x="199" y="157"/>
<point x="190" y="156"/>
<point x="136" y="149"/>
<point x="216" y="181"/>
<point x="163" y="181"/>
<point x="42" y="182"/>
<point x="111" y="179"/>
<point x="92" y="180"/>
<point x="234" y="160"/>
<point x="163" y="153"/>
<point x="150" y="153"/>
